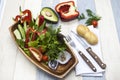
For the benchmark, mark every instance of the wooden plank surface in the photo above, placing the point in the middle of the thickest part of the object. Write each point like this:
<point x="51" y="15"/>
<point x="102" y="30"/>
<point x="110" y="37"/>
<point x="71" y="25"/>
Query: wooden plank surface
<point x="116" y="12"/>
<point x="9" y="54"/>
<point x="109" y="39"/>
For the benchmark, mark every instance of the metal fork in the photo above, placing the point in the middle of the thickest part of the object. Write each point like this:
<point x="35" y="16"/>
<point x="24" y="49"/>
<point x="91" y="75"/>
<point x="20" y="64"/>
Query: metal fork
<point x="88" y="62"/>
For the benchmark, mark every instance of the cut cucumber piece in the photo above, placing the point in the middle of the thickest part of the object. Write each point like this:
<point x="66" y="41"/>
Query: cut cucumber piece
<point x="17" y="34"/>
<point x="25" y="26"/>
<point x="22" y="31"/>
<point x="49" y="14"/>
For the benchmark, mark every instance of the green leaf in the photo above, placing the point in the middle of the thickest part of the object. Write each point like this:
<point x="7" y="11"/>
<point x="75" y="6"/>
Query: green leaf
<point x="20" y="43"/>
<point x="82" y="16"/>
<point x="92" y="16"/>
<point x="27" y="51"/>
<point x="89" y="13"/>
<point x="33" y="43"/>
<point x="42" y="26"/>
<point x="22" y="31"/>
<point x="41" y="37"/>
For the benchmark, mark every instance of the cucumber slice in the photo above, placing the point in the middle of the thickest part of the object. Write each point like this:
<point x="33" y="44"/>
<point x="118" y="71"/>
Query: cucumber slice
<point x="25" y="26"/>
<point x="22" y="31"/>
<point x="17" y="34"/>
<point x="49" y="14"/>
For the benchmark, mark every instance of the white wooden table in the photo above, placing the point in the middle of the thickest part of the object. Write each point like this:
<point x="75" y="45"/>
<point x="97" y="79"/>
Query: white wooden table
<point x="14" y="66"/>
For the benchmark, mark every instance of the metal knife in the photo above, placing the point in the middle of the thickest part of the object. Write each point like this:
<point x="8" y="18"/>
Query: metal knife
<point x="88" y="62"/>
<point x="90" y="51"/>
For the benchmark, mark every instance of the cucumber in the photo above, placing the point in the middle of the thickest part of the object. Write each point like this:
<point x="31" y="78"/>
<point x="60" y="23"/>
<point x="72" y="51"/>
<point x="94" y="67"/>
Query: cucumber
<point x="17" y="34"/>
<point x="25" y="26"/>
<point x="22" y="31"/>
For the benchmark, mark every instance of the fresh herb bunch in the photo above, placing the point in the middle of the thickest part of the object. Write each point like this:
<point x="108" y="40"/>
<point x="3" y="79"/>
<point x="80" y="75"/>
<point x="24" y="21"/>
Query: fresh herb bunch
<point x="51" y="43"/>
<point x="92" y="17"/>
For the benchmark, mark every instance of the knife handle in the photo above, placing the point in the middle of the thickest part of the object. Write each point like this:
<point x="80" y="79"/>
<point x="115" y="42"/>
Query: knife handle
<point x="87" y="61"/>
<point x="96" y="58"/>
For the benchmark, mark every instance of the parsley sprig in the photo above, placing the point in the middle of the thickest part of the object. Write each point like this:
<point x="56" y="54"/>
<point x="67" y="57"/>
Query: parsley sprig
<point x="92" y="16"/>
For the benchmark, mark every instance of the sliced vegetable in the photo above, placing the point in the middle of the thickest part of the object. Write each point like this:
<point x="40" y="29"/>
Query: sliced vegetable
<point x="67" y="10"/>
<point x="36" y="53"/>
<point x="25" y="26"/>
<point x="27" y="16"/>
<point x="22" y="31"/>
<point x="49" y="14"/>
<point x="17" y="34"/>
<point x="24" y="16"/>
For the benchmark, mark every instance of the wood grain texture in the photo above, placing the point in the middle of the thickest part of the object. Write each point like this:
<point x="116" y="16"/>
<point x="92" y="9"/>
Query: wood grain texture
<point x="109" y="39"/>
<point x="14" y="66"/>
<point x="10" y="57"/>
<point x="116" y="12"/>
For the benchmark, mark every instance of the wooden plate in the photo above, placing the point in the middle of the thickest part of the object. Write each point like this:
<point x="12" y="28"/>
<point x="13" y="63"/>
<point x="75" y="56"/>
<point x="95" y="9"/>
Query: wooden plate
<point x="61" y="71"/>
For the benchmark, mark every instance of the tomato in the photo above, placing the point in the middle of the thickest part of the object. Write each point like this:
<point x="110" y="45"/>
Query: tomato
<point x="94" y="23"/>
<point x="45" y="58"/>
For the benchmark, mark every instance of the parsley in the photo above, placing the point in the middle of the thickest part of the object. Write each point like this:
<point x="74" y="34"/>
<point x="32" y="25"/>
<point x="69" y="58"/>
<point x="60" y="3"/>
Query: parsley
<point x="92" y="16"/>
<point x="50" y="40"/>
<point x="82" y="16"/>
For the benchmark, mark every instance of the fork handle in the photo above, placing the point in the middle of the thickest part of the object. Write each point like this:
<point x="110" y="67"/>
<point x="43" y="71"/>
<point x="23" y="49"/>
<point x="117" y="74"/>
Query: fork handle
<point x="88" y="62"/>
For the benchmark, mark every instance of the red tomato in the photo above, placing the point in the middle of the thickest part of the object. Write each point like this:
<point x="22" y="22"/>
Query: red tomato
<point x="94" y="23"/>
<point x="45" y="58"/>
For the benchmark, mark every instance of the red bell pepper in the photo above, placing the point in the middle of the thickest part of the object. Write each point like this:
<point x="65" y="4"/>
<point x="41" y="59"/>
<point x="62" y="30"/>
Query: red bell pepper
<point x="17" y="18"/>
<point x="41" y="20"/>
<point x="25" y="16"/>
<point x="67" y="10"/>
<point x="27" y="39"/>
<point x="36" y="53"/>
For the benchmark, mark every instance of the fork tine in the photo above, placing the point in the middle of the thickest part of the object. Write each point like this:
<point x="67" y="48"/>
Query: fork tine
<point x="68" y="38"/>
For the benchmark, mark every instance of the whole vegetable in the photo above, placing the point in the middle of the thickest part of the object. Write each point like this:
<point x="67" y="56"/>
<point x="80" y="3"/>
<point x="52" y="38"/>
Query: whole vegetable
<point x="89" y="36"/>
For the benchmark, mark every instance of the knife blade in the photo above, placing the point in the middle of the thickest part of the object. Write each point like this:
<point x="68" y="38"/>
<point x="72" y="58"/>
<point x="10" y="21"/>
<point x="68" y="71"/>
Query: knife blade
<point x="90" y="51"/>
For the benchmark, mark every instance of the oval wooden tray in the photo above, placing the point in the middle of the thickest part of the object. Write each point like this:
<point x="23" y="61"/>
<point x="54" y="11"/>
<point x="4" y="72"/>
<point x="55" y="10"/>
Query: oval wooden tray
<point x="61" y="71"/>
